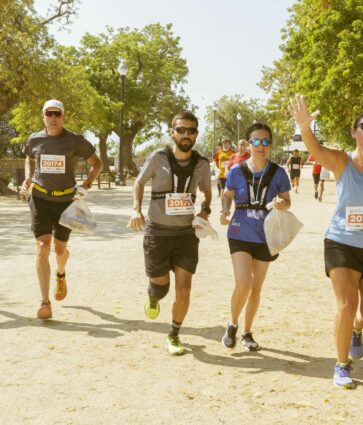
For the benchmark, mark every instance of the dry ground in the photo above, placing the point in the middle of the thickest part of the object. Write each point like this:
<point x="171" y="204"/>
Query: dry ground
<point x="100" y="361"/>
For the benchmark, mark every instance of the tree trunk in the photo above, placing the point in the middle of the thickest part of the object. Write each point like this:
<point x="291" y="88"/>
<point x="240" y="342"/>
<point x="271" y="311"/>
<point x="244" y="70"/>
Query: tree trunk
<point x="103" y="151"/>
<point x="127" y="154"/>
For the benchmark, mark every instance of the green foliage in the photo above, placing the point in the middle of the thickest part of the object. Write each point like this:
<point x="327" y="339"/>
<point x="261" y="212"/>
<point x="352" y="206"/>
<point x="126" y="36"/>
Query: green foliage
<point x="322" y="58"/>
<point x="226" y="123"/>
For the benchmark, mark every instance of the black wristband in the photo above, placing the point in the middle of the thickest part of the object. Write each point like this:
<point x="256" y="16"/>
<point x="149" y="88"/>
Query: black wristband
<point x="206" y="209"/>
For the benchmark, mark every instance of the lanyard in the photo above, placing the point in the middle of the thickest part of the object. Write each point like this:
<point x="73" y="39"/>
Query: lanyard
<point x="253" y="197"/>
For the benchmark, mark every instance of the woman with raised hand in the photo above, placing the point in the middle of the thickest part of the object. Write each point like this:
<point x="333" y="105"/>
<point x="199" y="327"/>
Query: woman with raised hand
<point x="252" y="184"/>
<point x="344" y="238"/>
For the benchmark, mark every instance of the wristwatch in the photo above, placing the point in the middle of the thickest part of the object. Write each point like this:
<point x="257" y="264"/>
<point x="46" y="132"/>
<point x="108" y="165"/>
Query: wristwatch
<point x="207" y="210"/>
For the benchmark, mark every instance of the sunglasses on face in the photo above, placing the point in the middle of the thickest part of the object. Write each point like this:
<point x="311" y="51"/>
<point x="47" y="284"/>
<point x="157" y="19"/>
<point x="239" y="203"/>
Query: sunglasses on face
<point x="360" y="125"/>
<point x="183" y="130"/>
<point x="257" y="142"/>
<point x="53" y="113"/>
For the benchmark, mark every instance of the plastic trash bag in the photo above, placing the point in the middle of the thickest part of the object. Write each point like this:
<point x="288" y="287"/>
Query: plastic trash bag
<point x="78" y="217"/>
<point x="280" y="228"/>
<point x="324" y="174"/>
<point x="203" y="228"/>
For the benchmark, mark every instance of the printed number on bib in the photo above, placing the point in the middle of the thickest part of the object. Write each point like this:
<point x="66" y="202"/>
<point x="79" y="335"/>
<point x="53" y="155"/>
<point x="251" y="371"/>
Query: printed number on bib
<point x="296" y="166"/>
<point x="52" y="164"/>
<point x="179" y="204"/>
<point x="354" y="218"/>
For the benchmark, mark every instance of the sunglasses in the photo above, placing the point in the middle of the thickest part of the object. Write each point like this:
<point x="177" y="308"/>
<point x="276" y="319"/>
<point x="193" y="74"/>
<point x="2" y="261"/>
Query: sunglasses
<point x="257" y="142"/>
<point x="53" y="113"/>
<point x="183" y="130"/>
<point x="360" y="125"/>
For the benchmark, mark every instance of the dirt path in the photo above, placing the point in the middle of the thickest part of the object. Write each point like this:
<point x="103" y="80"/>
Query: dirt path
<point x="100" y="361"/>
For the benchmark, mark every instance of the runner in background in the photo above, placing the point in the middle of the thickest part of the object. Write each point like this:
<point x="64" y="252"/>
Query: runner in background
<point x="242" y="154"/>
<point x="344" y="238"/>
<point x="318" y="185"/>
<point x="222" y="162"/>
<point x="294" y="165"/>
<point x="215" y="159"/>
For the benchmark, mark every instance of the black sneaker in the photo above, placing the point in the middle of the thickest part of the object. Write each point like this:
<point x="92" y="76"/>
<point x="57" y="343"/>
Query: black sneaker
<point x="316" y="195"/>
<point x="249" y="342"/>
<point x="229" y="338"/>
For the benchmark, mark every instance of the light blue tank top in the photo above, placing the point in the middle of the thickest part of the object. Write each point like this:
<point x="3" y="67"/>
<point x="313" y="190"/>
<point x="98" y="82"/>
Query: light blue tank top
<point x="349" y="194"/>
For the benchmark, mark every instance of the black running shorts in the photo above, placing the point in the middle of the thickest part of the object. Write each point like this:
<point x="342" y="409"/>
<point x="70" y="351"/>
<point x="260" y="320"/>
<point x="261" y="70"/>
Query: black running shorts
<point x="340" y="255"/>
<point x="294" y="174"/>
<point x="258" y="251"/>
<point x="45" y="217"/>
<point x="316" y="178"/>
<point x="162" y="253"/>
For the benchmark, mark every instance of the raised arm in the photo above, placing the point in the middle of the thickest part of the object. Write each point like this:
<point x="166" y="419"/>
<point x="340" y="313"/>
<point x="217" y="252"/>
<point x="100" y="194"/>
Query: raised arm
<point x="332" y="159"/>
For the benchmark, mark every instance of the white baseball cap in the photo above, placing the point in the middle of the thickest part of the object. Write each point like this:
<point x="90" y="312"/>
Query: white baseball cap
<point x="53" y="103"/>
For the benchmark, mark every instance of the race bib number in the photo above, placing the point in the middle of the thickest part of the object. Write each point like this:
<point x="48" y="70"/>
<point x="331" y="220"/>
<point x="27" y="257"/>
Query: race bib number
<point x="295" y="166"/>
<point x="354" y="218"/>
<point x="52" y="164"/>
<point x="179" y="204"/>
<point x="225" y="164"/>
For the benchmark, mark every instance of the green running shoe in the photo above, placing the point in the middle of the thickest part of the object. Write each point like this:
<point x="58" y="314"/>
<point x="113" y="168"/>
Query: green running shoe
<point x="152" y="308"/>
<point x="174" y="346"/>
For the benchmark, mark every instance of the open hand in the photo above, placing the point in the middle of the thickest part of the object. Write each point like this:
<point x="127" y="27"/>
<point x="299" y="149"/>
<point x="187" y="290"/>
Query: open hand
<point x="299" y="111"/>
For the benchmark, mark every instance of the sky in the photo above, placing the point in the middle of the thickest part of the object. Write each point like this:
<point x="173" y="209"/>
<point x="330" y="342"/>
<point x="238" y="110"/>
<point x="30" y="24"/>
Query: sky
<point x="226" y="44"/>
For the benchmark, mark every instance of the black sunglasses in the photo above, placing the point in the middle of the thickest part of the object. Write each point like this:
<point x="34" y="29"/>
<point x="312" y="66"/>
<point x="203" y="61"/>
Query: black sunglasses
<point x="52" y="113"/>
<point x="183" y="130"/>
<point x="360" y="125"/>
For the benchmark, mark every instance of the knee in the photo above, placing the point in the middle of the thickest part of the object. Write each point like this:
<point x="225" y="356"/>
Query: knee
<point x="182" y="292"/>
<point x="347" y="308"/>
<point x="158" y="291"/>
<point x="43" y="250"/>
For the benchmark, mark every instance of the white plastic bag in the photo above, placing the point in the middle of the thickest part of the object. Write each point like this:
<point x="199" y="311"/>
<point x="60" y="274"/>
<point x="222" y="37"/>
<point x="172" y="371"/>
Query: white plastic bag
<point x="280" y="228"/>
<point x="324" y="174"/>
<point x="203" y="228"/>
<point x="78" y="217"/>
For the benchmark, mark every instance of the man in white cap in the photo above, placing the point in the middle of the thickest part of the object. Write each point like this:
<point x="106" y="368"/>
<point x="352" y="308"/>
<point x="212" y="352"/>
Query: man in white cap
<point x="51" y="159"/>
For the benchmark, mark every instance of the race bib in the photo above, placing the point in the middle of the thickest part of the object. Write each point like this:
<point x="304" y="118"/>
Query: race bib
<point x="295" y="166"/>
<point x="52" y="164"/>
<point x="354" y="218"/>
<point x="225" y="164"/>
<point x="179" y="204"/>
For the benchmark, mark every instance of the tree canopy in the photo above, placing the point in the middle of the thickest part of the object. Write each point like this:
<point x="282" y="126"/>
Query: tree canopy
<point x="322" y="58"/>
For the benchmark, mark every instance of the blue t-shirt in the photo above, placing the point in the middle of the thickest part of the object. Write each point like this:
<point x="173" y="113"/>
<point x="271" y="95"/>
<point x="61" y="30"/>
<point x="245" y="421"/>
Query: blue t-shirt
<point x="247" y="224"/>
<point x="349" y="194"/>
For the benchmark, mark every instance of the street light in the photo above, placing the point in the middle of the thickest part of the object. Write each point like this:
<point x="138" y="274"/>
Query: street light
<point x="120" y="180"/>
<point x="239" y="117"/>
<point x="214" y="131"/>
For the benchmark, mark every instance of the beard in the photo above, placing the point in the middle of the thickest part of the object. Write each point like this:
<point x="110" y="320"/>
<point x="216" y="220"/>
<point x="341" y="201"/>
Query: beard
<point x="183" y="146"/>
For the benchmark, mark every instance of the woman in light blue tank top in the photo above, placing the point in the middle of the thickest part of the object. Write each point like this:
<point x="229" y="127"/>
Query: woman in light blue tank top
<point x="344" y="238"/>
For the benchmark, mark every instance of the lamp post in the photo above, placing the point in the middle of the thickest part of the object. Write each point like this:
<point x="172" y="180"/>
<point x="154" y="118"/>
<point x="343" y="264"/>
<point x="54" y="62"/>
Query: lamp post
<point x="214" y="131"/>
<point x="239" y="117"/>
<point x="120" y="180"/>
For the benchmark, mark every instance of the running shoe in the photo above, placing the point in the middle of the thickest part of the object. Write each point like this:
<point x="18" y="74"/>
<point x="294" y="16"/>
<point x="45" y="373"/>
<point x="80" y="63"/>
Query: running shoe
<point x="174" y="346"/>
<point x="342" y="377"/>
<point x="316" y="195"/>
<point x="249" y="342"/>
<point x="44" y="311"/>
<point x="152" y="308"/>
<point x="229" y="338"/>
<point x="60" y="290"/>
<point x="356" y="346"/>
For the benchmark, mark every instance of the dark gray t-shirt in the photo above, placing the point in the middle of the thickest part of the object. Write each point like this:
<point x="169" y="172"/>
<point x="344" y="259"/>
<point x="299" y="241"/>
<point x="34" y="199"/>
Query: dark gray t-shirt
<point x="56" y="159"/>
<point x="157" y="168"/>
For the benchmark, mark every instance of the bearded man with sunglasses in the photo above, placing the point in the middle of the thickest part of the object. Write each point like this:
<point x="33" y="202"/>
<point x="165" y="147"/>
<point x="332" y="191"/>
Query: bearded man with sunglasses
<point x="51" y="159"/>
<point x="169" y="238"/>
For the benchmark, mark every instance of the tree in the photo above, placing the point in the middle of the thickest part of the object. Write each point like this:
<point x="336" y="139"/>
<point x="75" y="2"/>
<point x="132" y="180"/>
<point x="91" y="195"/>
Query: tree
<point x="24" y="44"/>
<point x="156" y="72"/>
<point x="227" y="108"/>
<point x="322" y="58"/>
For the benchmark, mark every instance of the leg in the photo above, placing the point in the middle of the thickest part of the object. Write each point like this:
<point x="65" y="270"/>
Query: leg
<point x="297" y="179"/>
<point x="345" y="284"/>
<point x="259" y="270"/>
<point x="242" y="268"/>
<point x="61" y="255"/>
<point x="183" y="284"/>
<point x="42" y="265"/>
<point x="321" y="190"/>
<point x="157" y="290"/>
<point x="358" y="321"/>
